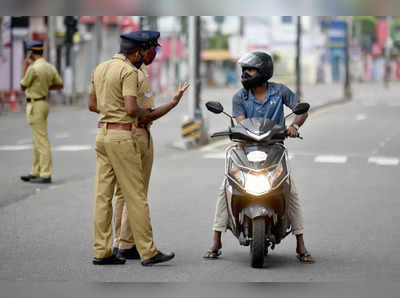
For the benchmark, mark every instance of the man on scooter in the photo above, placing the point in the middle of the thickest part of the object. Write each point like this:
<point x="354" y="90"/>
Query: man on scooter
<point x="262" y="99"/>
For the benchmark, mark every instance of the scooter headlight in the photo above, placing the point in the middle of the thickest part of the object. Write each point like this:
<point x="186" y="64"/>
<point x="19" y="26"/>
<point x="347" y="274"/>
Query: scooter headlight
<point x="257" y="183"/>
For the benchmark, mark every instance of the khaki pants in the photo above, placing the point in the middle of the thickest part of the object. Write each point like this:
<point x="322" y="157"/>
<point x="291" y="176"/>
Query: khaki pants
<point x="118" y="159"/>
<point x="123" y="235"/>
<point x="294" y="210"/>
<point x="36" y="113"/>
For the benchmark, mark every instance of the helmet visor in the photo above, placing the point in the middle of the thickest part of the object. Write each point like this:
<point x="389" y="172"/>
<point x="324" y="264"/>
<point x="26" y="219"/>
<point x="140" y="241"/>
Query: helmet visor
<point x="251" y="60"/>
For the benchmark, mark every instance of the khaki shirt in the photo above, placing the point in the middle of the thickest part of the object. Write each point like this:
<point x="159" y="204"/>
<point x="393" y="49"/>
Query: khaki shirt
<point x="145" y="98"/>
<point x="111" y="81"/>
<point x="39" y="76"/>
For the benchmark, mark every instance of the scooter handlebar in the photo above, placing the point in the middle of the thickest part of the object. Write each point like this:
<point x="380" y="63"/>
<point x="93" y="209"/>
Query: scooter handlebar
<point x="298" y="135"/>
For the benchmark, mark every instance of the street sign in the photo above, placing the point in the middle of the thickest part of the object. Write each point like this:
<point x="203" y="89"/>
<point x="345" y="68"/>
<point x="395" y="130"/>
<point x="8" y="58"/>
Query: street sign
<point x="337" y="34"/>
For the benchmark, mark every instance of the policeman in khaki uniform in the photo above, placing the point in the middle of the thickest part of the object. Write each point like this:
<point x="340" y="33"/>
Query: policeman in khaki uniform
<point x="39" y="77"/>
<point x="124" y="242"/>
<point x="114" y="93"/>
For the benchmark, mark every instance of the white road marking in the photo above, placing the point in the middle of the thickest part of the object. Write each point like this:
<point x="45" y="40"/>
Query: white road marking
<point x="218" y="155"/>
<point x="72" y="148"/>
<point x="54" y="186"/>
<point x="384" y="161"/>
<point x="330" y="159"/>
<point x="15" y="147"/>
<point x="62" y="135"/>
<point x="24" y="141"/>
<point x="360" y="117"/>
<point x="338" y="159"/>
<point x="57" y="148"/>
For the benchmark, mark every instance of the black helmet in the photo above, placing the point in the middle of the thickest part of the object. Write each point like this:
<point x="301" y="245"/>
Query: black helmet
<point x="260" y="61"/>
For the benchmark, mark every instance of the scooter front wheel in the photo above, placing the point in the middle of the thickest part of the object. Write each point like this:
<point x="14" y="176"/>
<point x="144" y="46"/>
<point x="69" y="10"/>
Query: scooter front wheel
<point x="257" y="248"/>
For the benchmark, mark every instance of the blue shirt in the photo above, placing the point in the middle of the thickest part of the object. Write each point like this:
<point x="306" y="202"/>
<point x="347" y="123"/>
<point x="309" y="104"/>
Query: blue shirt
<point x="272" y="107"/>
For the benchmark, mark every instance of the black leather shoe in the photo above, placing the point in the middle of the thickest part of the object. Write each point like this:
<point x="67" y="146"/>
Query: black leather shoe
<point x="158" y="258"/>
<point x="130" y="253"/>
<point x="40" y="180"/>
<point x="113" y="260"/>
<point x="28" y="177"/>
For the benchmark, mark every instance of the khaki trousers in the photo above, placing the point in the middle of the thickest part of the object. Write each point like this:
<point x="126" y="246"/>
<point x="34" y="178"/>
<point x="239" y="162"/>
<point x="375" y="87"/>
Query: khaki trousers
<point x="294" y="210"/>
<point x="118" y="159"/>
<point x="36" y="113"/>
<point x="123" y="235"/>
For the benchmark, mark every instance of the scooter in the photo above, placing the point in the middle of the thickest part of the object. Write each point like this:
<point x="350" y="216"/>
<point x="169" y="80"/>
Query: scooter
<point x="257" y="172"/>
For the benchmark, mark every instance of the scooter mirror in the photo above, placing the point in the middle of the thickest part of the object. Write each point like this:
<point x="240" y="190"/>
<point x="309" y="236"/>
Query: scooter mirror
<point x="301" y="108"/>
<point x="215" y="107"/>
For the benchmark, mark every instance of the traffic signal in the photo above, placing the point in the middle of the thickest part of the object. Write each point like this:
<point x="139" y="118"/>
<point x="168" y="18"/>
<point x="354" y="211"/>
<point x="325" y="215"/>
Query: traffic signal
<point x="71" y="24"/>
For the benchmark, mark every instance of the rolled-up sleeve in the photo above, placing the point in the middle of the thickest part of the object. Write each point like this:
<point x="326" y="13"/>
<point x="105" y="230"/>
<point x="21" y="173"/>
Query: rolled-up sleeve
<point x="57" y="80"/>
<point x="28" y="78"/>
<point x="237" y="106"/>
<point x="290" y="99"/>
<point x="92" y="89"/>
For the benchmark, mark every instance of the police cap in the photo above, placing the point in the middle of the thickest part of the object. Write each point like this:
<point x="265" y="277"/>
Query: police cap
<point x="153" y="38"/>
<point x="34" y="45"/>
<point x="137" y="38"/>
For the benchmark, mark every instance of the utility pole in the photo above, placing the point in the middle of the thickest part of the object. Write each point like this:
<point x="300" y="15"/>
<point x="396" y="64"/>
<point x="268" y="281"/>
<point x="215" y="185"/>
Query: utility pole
<point x="347" y="83"/>
<point x="1" y="36"/>
<point x="52" y="42"/>
<point x="70" y="23"/>
<point x="298" y="58"/>
<point x="11" y="56"/>
<point x="388" y="46"/>
<point x="193" y="127"/>
<point x="141" y="22"/>
<point x="241" y="26"/>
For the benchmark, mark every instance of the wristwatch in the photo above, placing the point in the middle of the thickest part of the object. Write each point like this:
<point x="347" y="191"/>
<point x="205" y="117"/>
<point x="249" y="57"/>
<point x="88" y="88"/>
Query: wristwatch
<point x="295" y="126"/>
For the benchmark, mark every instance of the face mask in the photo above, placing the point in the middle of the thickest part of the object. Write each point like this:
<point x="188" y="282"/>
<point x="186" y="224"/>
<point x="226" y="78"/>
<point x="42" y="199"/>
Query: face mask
<point x="140" y="62"/>
<point x="150" y="56"/>
<point x="250" y="82"/>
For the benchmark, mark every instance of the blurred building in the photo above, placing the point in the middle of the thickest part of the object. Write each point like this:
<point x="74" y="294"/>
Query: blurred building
<point x="277" y="35"/>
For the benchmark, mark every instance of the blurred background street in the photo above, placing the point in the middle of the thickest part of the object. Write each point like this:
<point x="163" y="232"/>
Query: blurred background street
<point x="346" y="169"/>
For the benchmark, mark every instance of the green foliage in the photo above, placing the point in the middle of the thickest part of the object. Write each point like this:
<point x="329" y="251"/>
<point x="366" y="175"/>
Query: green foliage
<point x="184" y="20"/>
<point x="395" y="34"/>
<point x="367" y="26"/>
<point x="218" y="41"/>
<point x="152" y="22"/>
<point x="276" y="57"/>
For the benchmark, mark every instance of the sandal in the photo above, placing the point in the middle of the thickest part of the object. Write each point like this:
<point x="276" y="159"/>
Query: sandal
<point x="305" y="258"/>
<point x="212" y="254"/>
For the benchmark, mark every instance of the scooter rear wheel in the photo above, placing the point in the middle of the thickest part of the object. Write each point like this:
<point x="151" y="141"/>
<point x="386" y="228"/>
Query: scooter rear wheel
<point x="257" y="247"/>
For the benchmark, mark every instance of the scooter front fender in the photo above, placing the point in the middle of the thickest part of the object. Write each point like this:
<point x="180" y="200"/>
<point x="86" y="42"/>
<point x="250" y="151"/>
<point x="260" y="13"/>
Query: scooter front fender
<point x="254" y="211"/>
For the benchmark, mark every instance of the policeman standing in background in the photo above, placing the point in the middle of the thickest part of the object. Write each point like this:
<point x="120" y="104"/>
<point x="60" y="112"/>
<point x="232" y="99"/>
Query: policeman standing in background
<point x="38" y="77"/>
<point x="124" y="242"/>
<point x="113" y="94"/>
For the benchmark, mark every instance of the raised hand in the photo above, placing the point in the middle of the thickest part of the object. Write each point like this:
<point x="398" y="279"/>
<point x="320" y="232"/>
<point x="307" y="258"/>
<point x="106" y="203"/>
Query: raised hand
<point x="179" y="93"/>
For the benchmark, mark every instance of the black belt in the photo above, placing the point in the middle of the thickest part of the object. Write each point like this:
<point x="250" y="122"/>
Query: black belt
<point x="35" y="99"/>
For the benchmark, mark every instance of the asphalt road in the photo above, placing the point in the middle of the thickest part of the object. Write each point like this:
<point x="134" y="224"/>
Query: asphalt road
<point x="346" y="170"/>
